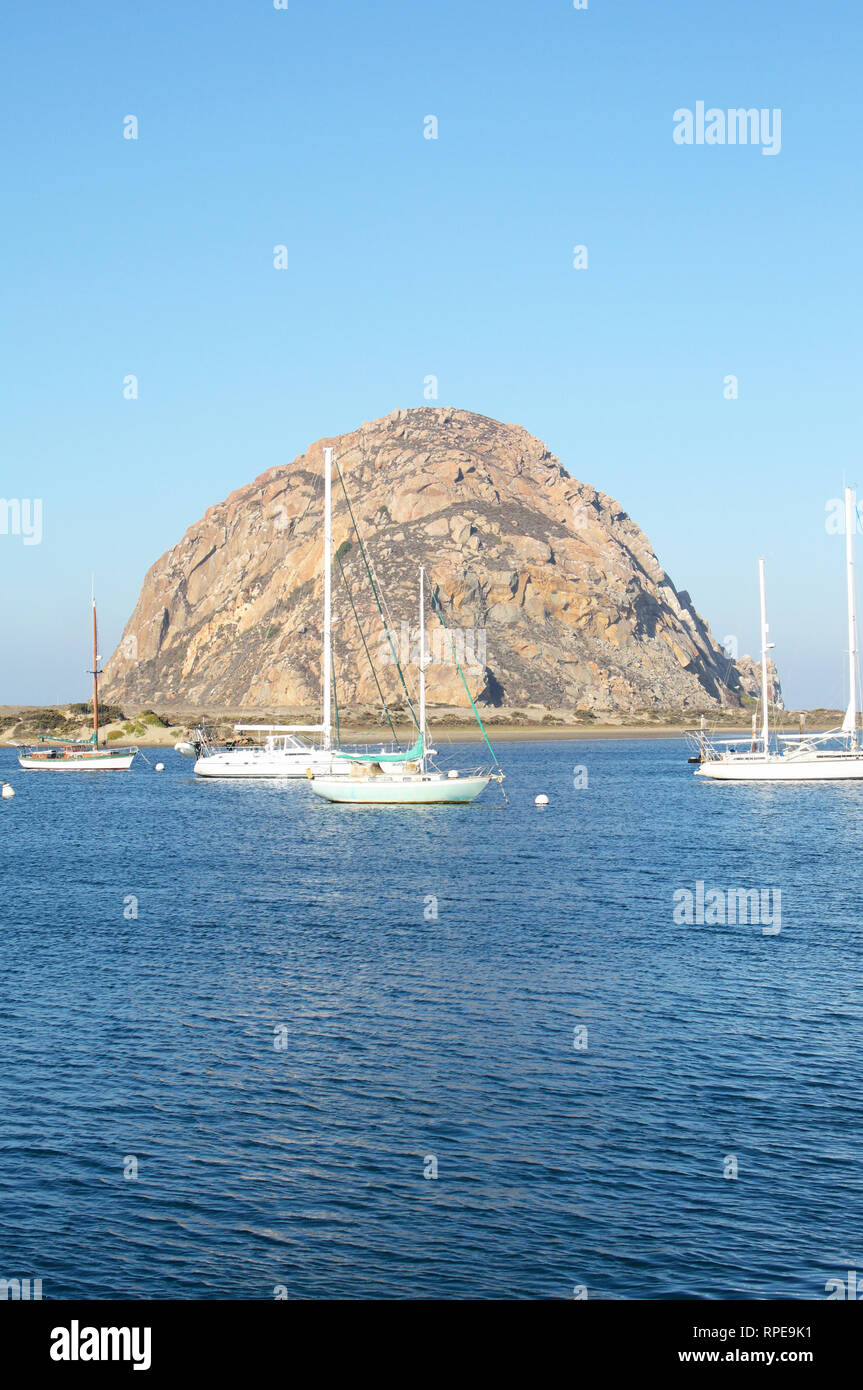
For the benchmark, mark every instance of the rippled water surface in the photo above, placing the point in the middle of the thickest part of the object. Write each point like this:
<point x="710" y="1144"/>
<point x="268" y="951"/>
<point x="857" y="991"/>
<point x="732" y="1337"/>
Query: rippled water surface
<point x="266" y="917"/>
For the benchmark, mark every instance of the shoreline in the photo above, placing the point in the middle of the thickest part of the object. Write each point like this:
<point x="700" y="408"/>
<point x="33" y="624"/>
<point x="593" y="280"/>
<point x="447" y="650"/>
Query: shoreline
<point x="513" y="733"/>
<point x="462" y="734"/>
<point x="22" y="724"/>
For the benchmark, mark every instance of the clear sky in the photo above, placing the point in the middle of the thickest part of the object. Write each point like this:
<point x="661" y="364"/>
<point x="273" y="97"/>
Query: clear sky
<point x="408" y="257"/>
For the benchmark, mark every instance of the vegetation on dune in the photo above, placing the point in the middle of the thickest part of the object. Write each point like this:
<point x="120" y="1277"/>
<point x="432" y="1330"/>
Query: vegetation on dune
<point x="148" y="716"/>
<point x="108" y="714"/>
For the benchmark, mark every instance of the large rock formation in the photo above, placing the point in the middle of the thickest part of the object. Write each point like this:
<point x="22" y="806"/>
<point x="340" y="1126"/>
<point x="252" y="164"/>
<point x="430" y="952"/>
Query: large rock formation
<point x="749" y="672"/>
<point x="556" y="596"/>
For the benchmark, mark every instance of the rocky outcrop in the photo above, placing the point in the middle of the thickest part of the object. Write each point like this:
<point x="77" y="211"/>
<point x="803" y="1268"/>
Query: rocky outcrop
<point x="555" y="595"/>
<point x="749" y="671"/>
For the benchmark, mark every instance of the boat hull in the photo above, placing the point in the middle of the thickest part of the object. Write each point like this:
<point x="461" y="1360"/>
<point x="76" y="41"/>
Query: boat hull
<point x="814" y="769"/>
<point x="252" y="763"/>
<point x="120" y="761"/>
<point x="265" y="762"/>
<point x="427" y="790"/>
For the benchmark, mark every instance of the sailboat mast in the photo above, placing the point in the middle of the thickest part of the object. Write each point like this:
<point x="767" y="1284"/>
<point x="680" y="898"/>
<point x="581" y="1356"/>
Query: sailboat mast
<point x="95" y="677"/>
<point x="328" y="561"/>
<point x="849" y="723"/>
<point x="422" y="664"/>
<point x="765" y="729"/>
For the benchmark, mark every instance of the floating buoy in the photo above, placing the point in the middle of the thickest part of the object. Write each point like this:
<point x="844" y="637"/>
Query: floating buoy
<point x="6" y="791"/>
<point x="541" y="800"/>
<point x="160" y="767"/>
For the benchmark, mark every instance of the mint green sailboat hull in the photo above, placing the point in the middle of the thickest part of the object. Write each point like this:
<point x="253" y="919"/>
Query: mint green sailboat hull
<point x="417" y="789"/>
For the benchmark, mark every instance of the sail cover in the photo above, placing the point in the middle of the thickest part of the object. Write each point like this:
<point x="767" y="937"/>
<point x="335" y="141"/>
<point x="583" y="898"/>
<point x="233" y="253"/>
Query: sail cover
<point x="403" y="756"/>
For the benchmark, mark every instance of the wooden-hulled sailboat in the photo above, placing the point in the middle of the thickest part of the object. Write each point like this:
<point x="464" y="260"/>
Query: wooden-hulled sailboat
<point x="373" y="779"/>
<point x="82" y="755"/>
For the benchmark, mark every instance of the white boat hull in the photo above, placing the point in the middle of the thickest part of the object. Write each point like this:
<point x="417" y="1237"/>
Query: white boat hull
<point x="412" y="789"/>
<point x="120" y="761"/>
<point x="823" y="767"/>
<point x="262" y="762"/>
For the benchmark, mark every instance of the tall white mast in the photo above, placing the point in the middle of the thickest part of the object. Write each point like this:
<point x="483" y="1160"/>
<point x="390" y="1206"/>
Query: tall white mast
<point x="765" y="647"/>
<point x="328" y="561"/>
<point x="849" y="723"/>
<point x="422" y="663"/>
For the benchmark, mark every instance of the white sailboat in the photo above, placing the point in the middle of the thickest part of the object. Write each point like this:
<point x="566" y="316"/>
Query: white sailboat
<point x="370" y="779"/>
<point x="830" y="756"/>
<point x="281" y="750"/>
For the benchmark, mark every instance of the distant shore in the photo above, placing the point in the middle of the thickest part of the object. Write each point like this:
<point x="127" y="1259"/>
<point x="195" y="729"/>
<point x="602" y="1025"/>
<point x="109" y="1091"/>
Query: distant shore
<point x="549" y="734"/>
<point x="451" y="733"/>
<point x="21" y="724"/>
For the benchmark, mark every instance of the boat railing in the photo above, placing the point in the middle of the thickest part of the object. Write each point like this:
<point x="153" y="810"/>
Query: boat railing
<point x="709" y="748"/>
<point x="703" y="746"/>
<point x="202" y="741"/>
<point x="810" y="739"/>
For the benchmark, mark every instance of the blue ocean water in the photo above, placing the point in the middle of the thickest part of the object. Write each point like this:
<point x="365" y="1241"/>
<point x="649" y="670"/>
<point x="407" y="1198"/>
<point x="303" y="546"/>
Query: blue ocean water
<point x="286" y="1038"/>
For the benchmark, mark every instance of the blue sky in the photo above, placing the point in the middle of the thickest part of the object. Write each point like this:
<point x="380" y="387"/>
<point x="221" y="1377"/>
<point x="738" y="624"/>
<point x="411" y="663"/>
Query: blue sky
<point x="410" y="257"/>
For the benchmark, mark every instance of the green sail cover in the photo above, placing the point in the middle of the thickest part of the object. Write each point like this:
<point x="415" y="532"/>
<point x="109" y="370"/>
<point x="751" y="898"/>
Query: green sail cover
<point x="68" y="742"/>
<point x="410" y="756"/>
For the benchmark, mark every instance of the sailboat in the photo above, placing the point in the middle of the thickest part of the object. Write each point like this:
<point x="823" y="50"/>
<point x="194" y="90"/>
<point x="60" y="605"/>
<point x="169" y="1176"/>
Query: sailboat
<point x="80" y="755"/>
<point x="830" y="756"/>
<point x="281" y="750"/>
<point x="372" y="779"/>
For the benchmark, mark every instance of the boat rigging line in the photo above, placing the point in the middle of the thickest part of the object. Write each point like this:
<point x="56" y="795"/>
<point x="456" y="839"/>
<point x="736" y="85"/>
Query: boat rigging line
<point x="387" y="630"/>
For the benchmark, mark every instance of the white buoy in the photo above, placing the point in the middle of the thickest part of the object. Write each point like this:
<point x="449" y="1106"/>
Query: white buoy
<point x="6" y="791"/>
<point x="160" y="767"/>
<point x="541" y="800"/>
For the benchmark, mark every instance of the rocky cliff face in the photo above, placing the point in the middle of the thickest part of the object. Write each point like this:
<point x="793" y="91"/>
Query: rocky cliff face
<point x="555" y="596"/>
<point x="749" y="671"/>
